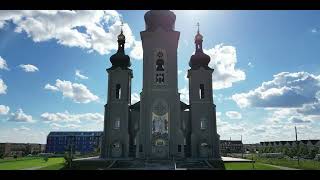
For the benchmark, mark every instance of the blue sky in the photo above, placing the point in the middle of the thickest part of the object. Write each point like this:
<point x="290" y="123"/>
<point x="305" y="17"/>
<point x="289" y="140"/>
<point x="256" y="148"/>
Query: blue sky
<point x="266" y="78"/>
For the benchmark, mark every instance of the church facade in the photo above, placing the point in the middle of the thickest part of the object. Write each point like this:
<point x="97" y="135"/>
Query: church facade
<point x="160" y="126"/>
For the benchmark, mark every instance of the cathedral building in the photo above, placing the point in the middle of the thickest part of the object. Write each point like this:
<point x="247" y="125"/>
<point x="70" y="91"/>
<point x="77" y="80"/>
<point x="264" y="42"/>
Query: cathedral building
<point x="160" y="126"/>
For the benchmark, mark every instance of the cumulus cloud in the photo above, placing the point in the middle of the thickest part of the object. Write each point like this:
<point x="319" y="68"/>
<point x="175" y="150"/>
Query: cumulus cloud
<point x="56" y="126"/>
<point x="28" y="67"/>
<point x="3" y="87"/>
<point x="67" y="117"/>
<point x="135" y="97"/>
<point x="92" y="30"/>
<point x="50" y="87"/>
<point x="233" y="115"/>
<point x="314" y="30"/>
<point x="298" y="120"/>
<point x="79" y="75"/>
<point x="4" y="110"/>
<point x="3" y="63"/>
<point x="79" y="93"/>
<point x="22" y="128"/>
<point x="285" y="90"/>
<point x="223" y="61"/>
<point x="137" y="51"/>
<point x="184" y="95"/>
<point x="20" y="116"/>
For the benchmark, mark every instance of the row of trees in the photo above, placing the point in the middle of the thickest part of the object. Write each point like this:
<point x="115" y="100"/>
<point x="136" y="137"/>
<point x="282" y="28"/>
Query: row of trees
<point x="303" y="151"/>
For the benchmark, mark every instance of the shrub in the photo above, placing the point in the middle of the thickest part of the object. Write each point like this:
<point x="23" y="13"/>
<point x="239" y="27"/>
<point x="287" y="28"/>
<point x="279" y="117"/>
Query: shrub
<point x="68" y="159"/>
<point x="1" y="156"/>
<point x="46" y="158"/>
<point x="15" y="156"/>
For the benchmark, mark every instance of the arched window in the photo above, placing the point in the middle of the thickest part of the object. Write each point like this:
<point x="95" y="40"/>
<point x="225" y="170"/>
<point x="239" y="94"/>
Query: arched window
<point x="118" y="91"/>
<point x="201" y="91"/>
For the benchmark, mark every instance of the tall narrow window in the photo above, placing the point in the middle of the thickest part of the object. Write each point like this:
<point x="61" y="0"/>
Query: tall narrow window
<point x="201" y="91"/>
<point x="140" y="148"/>
<point x="117" y="123"/>
<point x="179" y="148"/>
<point x="118" y="91"/>
<point x="203" y="123"/>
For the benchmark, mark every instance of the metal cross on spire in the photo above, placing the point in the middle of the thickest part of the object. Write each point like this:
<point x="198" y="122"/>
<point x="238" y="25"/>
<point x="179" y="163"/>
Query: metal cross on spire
<point x="121" y="26"/>
<point x="198" y="24"/>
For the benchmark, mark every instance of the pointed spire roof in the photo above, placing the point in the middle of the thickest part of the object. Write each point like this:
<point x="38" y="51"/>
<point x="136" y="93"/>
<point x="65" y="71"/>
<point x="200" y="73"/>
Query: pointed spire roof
<point x="199" y="59"/>
<point x="120" y="59"/>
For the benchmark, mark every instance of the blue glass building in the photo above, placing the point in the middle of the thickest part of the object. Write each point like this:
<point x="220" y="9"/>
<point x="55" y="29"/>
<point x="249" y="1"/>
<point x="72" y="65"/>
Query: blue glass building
<point x="82" y="142"/>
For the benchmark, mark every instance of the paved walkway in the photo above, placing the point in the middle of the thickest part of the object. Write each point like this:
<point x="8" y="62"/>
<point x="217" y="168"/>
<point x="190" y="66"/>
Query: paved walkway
<point x="34" y="168"/>
<point x="280" y="167"/>
<point x="231" y="159"/>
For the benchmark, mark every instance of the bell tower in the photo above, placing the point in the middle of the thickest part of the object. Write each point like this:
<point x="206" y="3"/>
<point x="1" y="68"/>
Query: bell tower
<point x="116" y="116"/>
<point x="159" y="135"/>
<point x="204" y="137"/>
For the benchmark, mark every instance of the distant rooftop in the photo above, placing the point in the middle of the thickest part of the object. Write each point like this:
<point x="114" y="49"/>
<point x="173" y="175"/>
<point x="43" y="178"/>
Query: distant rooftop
<point x="75" y="133"/>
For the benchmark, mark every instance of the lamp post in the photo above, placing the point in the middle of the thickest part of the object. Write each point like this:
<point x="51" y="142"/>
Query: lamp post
<point x="298" y="153"/>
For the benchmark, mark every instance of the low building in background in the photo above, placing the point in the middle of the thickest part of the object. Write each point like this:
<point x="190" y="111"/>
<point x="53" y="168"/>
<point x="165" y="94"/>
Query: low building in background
<point x="86" y="142"/>
<point x="307" y="143"/>
<point x="251" y="148"/>
<point x="21" y="149"/>
<point x="231" y="147"/>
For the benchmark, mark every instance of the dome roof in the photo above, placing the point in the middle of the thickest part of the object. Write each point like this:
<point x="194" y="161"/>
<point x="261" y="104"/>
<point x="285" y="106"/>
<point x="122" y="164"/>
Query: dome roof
<point x="121" y="37"/>
<point x="198" y="37"/>
<point x="160" y="18"/>
<point x="199" y="59"/>
<point x="120" y="60"/>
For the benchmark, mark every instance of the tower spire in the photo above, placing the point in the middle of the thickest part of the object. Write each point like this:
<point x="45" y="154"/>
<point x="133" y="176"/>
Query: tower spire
<point x="121" y="26"/>
<point x="198" y="24"/>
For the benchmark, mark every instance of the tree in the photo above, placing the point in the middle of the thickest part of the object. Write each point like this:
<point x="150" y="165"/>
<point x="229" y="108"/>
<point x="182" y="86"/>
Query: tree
<point x="313" y="152"/>
<point x="1" y="156"/>
<point x="15" y="156"/>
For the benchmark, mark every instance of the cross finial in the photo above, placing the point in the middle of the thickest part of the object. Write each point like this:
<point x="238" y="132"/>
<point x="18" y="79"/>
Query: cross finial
<point x="121" y="26"/>
<point x="198" y="24"/>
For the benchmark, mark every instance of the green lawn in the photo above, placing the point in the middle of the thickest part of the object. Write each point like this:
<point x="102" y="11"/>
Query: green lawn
<point x="304" y="164"/>
<point x="24" y="163"/>
<point x="248" y="166"/>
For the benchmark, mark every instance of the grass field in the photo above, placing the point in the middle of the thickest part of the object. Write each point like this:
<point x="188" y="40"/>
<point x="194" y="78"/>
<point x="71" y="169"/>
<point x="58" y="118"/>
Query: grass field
<point x="31" y="163"/>
<point x="304" y="164"/>
<point x="248" y="166"/>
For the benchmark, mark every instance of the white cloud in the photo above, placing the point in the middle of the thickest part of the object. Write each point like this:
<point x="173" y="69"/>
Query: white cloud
<point x="3" y="87"/>
<point x="56" y="126"/>
<point x="223" y="61"/>
<point x="79" y="75"/>
<point x="233" y="115"/>
<point x="50" y="87"/>
<point x="4" y="110"/>
<point x="314" y="30"/>
<point x="28" y="67"/>
<point x="137" y="51"/>
<point x="79" y="93"/>
<point x="3" y="63"/>
<point x="179" y="72"/>
<point x="20" y="116"/>
<point x="298" y="120"/>
<point x="285" y="90"/>
<point x="93" y="30"/>
<point x="67" y="117"/>
<point x="135" y="97"/>
<point x="250" y="65"/>
<point x="184" y="95"/>
<point x="22" y="128"/>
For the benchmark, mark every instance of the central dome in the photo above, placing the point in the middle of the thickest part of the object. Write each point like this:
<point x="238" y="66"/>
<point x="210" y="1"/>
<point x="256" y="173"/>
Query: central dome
<point x="164" y="19"/>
